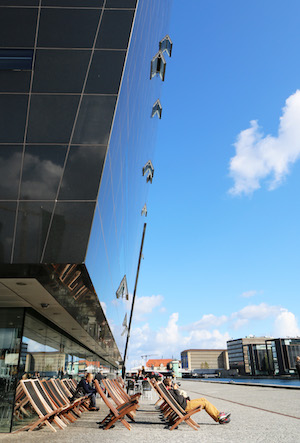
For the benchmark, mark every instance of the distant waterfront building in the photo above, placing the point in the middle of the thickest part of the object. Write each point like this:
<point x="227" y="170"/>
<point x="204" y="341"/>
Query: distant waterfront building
<point x="192" y="359"/>
<point x="46" y="363"/>
<point x="263" y="355"/>
<point x="238" y="352"/>
<point x="159" y="364"/>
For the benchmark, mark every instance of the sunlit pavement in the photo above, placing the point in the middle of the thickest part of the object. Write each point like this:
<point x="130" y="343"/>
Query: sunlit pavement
<point x="258" y="414"/>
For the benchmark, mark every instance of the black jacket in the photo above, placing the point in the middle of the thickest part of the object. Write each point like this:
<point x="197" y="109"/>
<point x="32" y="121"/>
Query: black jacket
<point x="181" y="400"/>
<point x="86" y="387"/>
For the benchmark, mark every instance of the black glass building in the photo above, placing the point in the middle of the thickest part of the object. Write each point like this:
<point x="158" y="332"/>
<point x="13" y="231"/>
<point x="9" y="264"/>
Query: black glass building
<point x="77" y="126"/>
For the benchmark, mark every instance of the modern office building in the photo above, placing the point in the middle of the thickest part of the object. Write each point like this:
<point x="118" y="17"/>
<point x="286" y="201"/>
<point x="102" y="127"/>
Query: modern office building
<point x="238" y="355"/>
<point x="192" y="359"/>
<point x="80" y="100"/>
<point x="263" y="355"/>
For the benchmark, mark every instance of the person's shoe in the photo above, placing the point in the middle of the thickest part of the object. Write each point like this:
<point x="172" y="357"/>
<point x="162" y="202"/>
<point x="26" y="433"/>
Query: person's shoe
<point x="224" y="417"/>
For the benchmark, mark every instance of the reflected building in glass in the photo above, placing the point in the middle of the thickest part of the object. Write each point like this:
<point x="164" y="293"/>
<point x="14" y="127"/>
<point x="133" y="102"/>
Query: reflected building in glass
<point x="80" y="101"/>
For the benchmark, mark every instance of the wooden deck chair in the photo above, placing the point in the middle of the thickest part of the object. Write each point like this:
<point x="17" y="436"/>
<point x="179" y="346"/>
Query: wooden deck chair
<point x="46" y="412"/>
<point x="123" y="392"/>
<point x="70" y="411"/>
<point x="22" y="405"/>
<point x="80" y="403"/>
<point x="62" y="400"/>
<point x="117" y="396"/>
<point x="116" y="413"/>
<point x="174" y="413"/>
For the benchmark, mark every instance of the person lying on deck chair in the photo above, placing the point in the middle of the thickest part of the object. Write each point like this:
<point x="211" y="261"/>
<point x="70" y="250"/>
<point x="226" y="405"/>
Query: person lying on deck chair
<point x="84" y="384"/>
<point x="188" y="405"/>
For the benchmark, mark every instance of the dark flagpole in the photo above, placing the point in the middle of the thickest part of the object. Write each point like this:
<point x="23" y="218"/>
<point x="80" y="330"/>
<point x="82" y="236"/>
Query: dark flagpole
<point x="133" y="300"/>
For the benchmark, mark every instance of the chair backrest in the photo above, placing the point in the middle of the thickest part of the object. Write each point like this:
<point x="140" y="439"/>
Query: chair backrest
<point x="56" y="393"/>
<point x="64" y="389"/>
<point x="105" y="399"/>
<point x="163" y="392"/>
<point x="45" y="396"/>
<point x="40" y="406"/>
<point x="114" y="394"/>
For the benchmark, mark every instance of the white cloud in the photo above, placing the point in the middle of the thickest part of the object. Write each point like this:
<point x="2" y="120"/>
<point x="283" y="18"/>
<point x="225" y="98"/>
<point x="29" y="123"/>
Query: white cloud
<point x="208" y="339"/>
<point x="256" y="312"/>
<point x="248" y="294"/>
<point x="169" y="334"/>
<point x="259" y="157"/>
<point x="286" y="325"/>
<point x="145" y="305"/>
<point x="207" y="321"/>
<point x="252" y="313"/>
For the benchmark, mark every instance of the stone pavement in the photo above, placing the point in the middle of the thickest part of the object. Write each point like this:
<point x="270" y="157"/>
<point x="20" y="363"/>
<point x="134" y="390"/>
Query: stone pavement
<point x="259" y="414"/>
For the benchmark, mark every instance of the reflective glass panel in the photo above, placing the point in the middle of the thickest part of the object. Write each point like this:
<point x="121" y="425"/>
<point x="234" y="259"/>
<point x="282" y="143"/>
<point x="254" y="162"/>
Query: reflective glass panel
<point x="82" y="173"/>
<point x="73" y="28"/>
<point x="94" y="120"/>
<point x="115" y="29"/>
<point x="10" y="167"/>
<point x="69" y="232"/>
<point x="11" y="321"/>
<point x="60" y="70"/>
<point x="17" y="27"/>
<point x="42" y="171"/>
<point x="12" y="129"/>
<point x="7" y="221"/>
<point x="32" y="227"/>
<point x="51" y="118"/>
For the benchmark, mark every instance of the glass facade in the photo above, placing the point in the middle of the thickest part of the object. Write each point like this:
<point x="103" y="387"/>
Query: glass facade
<point x="12" y="355"/>
<point x="76" y="130"/>
<point x="31" y="346"/>
<point x="118" y="224"/>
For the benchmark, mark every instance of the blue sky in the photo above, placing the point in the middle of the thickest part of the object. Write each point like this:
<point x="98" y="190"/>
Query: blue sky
<point x="222" y="245"/>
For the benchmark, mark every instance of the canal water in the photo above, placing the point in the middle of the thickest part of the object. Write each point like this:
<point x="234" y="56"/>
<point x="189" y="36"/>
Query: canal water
<point x="264" y="381"/>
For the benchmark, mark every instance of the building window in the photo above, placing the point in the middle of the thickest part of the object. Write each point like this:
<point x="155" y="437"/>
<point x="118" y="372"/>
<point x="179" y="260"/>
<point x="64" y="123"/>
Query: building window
<point x="166" y="45"/>
<point x="158" y="66"/>
<point x="156" y="109"/>
<point x="16" y="59"/>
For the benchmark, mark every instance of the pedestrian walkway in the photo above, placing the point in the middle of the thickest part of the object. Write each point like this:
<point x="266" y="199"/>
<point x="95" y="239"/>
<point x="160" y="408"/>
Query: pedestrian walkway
<point x="257" y="415"/>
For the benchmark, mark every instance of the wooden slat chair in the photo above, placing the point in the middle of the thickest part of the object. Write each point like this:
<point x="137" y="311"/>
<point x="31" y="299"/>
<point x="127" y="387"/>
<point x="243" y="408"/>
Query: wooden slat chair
<point x="81" y="402"/>
<point x="117" y="396"/>
<point x="123" y="393"/>
<point x="70" y="411"/>
<point x="62" y="400"/>
<point x="116" y="413"/>
<point x="66" y="412"/>
<point x="22" y="406"/>
<point x="69" y="385"/>
<point x="45" y="410"/>
<point x="173" y="411"/>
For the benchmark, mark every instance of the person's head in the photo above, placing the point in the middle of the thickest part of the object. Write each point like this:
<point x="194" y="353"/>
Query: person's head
<point x="89" y="377"/>
<point x="298" y="358"/>
<point x="168" y="381"/>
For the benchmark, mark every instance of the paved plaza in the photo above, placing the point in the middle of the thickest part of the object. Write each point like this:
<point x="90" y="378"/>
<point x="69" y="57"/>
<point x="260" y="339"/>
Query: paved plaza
<point x="259" y="414"/>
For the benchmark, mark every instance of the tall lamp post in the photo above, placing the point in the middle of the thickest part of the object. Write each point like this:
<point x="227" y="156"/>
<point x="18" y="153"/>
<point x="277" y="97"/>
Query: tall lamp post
<point x="133" y="300"/>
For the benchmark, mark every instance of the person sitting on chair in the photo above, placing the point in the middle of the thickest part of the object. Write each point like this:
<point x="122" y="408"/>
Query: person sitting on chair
<point x="84" y="384"/>
<point x="188" y="405"/>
